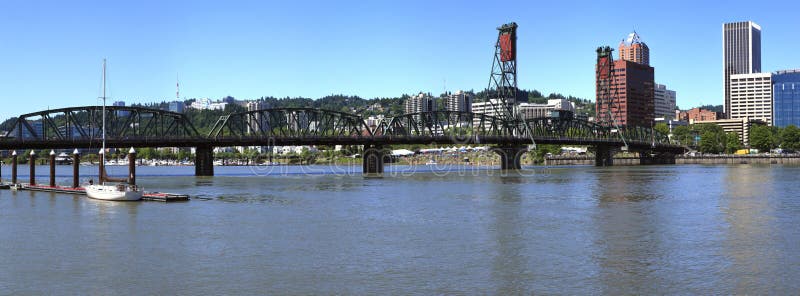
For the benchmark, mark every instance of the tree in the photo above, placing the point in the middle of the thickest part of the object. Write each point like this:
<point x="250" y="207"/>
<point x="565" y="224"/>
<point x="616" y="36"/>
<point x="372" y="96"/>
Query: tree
<point x="684" y="135"/>
<point x="712" y="138"/>
<point x="763" y="138"/>
<point x="662" y="128"/>
<point x="790" y="137"/>
<point x="733" y="143"/>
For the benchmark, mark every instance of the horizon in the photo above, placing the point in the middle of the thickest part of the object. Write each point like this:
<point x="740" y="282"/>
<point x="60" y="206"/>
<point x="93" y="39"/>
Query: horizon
<point x="370" y="50"/>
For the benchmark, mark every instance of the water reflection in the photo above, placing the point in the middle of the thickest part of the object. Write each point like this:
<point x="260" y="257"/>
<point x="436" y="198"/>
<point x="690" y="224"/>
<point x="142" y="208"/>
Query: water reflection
<point x="509" y="263"/>
<point x="749" y="213"/>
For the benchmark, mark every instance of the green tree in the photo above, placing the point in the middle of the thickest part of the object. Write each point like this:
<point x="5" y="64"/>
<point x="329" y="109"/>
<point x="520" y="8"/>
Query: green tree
<point x="712" y="138"/>
<point x="733" y="143"/>
<point x="684" y="135"/>
<point x="662" y="128"/>
<point x="763" y="138"/>
<point x="790" y="137"/>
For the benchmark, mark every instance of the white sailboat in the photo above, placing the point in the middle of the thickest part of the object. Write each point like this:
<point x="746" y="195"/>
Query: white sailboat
<point x="110" y="191"/>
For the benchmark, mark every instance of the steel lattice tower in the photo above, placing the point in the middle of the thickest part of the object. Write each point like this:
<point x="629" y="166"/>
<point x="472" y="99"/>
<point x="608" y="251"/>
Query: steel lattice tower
<point x="605" y="106"/>
<point x="502" y="91"/>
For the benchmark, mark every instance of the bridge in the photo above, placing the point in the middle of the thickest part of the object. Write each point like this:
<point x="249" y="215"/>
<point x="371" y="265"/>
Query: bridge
<point x="510" y="135"/>
<point x="78" y="127"/>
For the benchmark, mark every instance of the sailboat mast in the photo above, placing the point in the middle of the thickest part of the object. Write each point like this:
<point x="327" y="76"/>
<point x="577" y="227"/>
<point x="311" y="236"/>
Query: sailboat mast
<point x="103" y="156"/>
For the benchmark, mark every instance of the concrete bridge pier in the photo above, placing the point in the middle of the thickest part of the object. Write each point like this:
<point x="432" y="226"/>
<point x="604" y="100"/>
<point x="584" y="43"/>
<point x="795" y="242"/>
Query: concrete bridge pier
<point x="204" y="161"/>
<point x="373" y="161"/>
<point x="603" y="156"/>
<point x="510" y="156"/>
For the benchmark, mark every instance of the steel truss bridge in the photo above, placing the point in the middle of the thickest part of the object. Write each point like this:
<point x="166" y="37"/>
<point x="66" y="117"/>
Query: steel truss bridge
<point x="79" y="127"/>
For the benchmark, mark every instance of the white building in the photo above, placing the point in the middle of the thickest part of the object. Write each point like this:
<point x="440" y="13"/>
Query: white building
<point x="751" y="97"/>
<point x="533" y="110"/>
<point x="206" y="104"/>
<point x="458" y="102"/>
<point x="493" y="107"/>
<point x="374" y="120"/>
<point x="664" y="102"/>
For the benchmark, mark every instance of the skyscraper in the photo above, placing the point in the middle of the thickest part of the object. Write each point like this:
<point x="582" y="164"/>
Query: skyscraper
<point x="625" y="91"/>
<point x="741" y="53"/>
<point x="633" y="49"/>
<point x="786" y="98"/>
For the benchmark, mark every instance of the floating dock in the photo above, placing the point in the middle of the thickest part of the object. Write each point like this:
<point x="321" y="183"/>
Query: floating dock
<point x="147" y="196"/>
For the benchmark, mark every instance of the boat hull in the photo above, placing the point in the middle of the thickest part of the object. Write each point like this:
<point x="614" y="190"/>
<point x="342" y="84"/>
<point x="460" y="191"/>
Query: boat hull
<point x="114" y="193"/>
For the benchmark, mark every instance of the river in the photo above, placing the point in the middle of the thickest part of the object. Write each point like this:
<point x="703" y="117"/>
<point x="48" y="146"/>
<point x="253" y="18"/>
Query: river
<point x="679" y="229"/>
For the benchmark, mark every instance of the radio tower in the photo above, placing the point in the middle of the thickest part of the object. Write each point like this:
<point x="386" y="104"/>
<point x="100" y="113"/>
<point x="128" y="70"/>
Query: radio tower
<point x="503" y="80"/>
<point x="177" y="88"/>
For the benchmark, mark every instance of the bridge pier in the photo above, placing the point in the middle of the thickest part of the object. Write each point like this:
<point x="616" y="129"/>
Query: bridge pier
<point x="372" y="165"/>
<point x="603" y="156"/>
<point x="204" y="161"/>
<point x="510" y="156"/>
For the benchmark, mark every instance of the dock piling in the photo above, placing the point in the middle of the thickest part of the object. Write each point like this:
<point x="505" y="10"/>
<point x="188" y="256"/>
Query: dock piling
<point x="14" y="167"/>
<point x="76" y="160"/>
<point x="32" y="162"/>
<point x="52" y="168"/>
<point x="132" y="166"/>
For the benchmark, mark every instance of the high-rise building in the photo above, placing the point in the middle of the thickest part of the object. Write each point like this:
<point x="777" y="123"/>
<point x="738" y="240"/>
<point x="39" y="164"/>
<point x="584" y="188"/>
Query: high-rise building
<point x="664" y="103"/>
<point x="751" y="97"/>
<point x="256" y="122"/>
<point x="458" y="102"/>
<point x="419" y="103"/>
<point x="786" y="98"/>
<point x="630" y="94"/>
<point x="633" y="49"/>
<point x="741" y="53"/>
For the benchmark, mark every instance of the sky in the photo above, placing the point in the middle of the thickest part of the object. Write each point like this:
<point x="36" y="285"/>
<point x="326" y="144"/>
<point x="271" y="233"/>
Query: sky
<point x="51" y="52"/>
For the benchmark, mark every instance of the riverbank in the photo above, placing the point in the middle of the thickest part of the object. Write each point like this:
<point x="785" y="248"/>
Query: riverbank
<point x="684" y="159"/>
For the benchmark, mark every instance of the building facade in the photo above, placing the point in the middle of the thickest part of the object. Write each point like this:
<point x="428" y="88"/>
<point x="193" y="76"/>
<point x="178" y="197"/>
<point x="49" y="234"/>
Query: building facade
<point x="633" y="49"/>
<point x="786" y="98"/>
<point x="741" y="53"/>
<point x="664" y="103"/>
<point x="458" y="102"/>
<point x="532" y="110"/>
<point x="177" y="106"/>
<point x="751" y="97"/>
<point x="739" y="126"/>
<point x="419" y="103"/>
<point x="632" y="92"/>
<point x="697" y="115"/>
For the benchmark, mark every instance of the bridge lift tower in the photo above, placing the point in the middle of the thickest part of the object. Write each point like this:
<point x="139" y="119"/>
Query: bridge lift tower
<point x="502" y="91"/>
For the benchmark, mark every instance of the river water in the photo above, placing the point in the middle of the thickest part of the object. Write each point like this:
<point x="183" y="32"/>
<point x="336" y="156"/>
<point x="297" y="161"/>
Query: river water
<point x="685" y="229"/>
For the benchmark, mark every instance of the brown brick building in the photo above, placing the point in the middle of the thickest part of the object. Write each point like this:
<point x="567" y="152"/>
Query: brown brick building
<point x="697" y="115"/>
<point x="632" y="88"/>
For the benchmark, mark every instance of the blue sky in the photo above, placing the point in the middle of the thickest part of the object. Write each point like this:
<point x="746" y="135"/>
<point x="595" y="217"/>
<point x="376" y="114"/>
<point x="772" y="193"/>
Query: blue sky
<point x="51" y="52"/>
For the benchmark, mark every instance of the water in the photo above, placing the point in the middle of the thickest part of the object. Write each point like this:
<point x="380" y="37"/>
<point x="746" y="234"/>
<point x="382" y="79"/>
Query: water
<point x="561" y="230"/>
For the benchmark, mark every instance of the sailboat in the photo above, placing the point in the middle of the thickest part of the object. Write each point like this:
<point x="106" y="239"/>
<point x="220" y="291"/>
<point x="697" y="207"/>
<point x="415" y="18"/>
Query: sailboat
<point x="110" y="191"/>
